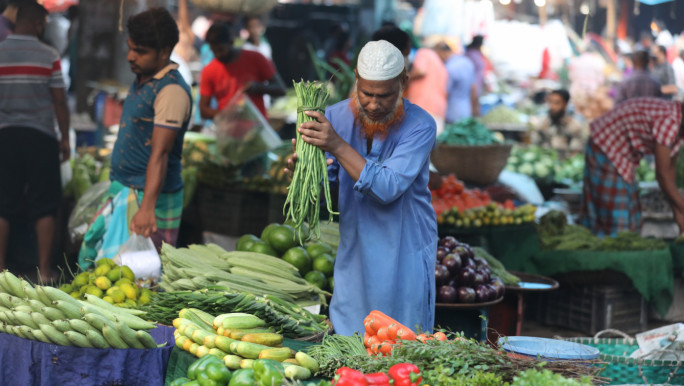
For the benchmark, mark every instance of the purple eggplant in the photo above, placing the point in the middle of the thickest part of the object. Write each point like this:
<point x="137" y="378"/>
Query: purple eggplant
<point x="466" y="295"/>
<point x="453" y="282"/>
<point x="449" y="242"/>
<point x="447" y="294"/>
<point x="441" y="252"/>
<point x="478" y="279"/>
<point x="441" y="274"/>
<point x="453" y="263"/>
<point x="498" y="286"/>
<point x="484" y="271"/>
<point x="466" y="276"/>
<point x="481" y="293"/>
<point x="480" y="262"/>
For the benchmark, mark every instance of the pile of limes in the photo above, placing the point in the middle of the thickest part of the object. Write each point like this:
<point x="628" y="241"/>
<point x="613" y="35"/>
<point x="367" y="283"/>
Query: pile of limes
<point x="315" y="261"/>
<point x="114" y="284"/>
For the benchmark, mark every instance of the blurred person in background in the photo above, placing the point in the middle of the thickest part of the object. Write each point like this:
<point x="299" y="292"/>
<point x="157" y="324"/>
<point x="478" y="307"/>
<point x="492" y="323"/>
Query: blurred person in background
<point x="428" y="83"/>
<point x="662" y="72"/>
<point x="398" y="37"/>
<point x="234" y="70"/>
<point x="462" y="99"/>
<point x="9" y="17"/>
<point x="559" y="130"/>
<point x="32" y="99"/>
<point x="255" y="40"/>
<point x="678" y="69"/>
<point x="474" y="53"/>
<point x="639" y="83"/>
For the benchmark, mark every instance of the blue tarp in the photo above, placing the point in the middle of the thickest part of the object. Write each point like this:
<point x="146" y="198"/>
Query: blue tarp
<point x="27" y="362"/>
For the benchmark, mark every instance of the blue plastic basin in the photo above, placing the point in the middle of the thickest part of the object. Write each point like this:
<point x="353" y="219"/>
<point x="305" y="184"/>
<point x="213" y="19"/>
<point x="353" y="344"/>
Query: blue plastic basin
<point x="548" y="348"/>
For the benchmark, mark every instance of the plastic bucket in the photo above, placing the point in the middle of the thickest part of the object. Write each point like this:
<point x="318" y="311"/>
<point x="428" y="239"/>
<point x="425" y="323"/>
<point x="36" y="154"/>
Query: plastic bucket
<point x="548" y="349"/>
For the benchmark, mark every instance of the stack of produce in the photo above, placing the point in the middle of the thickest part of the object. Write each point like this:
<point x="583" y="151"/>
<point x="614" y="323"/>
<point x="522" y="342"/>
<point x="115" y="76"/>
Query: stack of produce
<point x="85" y="172"/>
<point x="534" y="161"/>
<point x="463" y="278"/>
<point x="571" y="171"/>
<point x="399" y="374"/>
<point x="447" y="362"/>
<point x="493" y="214"/>
<point x="315" y="260"/>
<point x="502" y="115"/>
<point x="48" y="315"/>
<point x="114" y="284"/>
<point x="275" y="182"/>
<point x="382" y="333"/>
<point x="287" y="318"/>
<point x="468" y="132"/>
<point x="556" y="234"/>
<point x="203" y="266"/>
<point x="453" y="194"/>
<point x="239" y="340"/>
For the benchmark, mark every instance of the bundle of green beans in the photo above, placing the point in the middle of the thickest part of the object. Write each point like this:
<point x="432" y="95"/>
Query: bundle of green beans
<point x="304" y="193"/>
<point x="292" y="321"/>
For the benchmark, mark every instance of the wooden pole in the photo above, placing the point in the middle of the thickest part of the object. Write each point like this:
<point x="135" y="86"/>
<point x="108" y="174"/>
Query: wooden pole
<point x="611" y="18"/>
<point x="542" y="15"/>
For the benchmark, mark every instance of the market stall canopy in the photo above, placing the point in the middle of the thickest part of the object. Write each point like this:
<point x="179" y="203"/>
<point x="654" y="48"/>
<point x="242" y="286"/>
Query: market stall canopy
<point x="58" y="5"/>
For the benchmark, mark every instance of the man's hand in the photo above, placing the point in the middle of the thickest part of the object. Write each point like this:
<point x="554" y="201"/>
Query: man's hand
<point x="320" y="133"/>
<point x="144" y="223"/>
<point x="679" y="219"/>
<point x="65" y="149"/>
<point x="292" y="160"/>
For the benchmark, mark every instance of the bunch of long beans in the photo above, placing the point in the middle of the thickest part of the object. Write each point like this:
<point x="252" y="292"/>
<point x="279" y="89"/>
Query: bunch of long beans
<point x="304" y="193"/>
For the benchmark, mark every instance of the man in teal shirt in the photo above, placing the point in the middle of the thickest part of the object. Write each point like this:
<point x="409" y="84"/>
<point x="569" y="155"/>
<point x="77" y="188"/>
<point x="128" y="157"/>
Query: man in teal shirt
<point x="146" y="160"/>
<point x="379" y="145"/>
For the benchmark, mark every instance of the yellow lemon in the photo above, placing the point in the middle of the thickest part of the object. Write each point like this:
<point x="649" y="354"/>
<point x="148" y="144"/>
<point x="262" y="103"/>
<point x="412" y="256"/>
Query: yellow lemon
<point x="118" y="295"/>
<point x="127" y="273"/>
<point x="102" y="270"/>
<point x="108" y="299"/>
<point x="105" y="261"/>
<point x="93" y="290"/>
<point x="80" y="280"/>
<point x="103" y="283"/>
<point x="114" y="274"/>
<point x="122" y="281"/>
<point x="83" y="289"/>
<point x="144" y="299"/>
<point x="129" y="290"/>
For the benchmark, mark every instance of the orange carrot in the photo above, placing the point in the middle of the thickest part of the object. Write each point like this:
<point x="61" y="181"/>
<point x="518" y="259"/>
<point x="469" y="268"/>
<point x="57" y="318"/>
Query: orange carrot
<point x="406" y="334"/>
<point x="386" y="348"/>
<point x="374" y="340"/>
<point x="367" y="326"/>
<point x="392" y="330"/>
<point x="383" y="334"/>
<point x="439" y="335"/>
<point x="366" y="339"/>
<point x="421" y="338"/>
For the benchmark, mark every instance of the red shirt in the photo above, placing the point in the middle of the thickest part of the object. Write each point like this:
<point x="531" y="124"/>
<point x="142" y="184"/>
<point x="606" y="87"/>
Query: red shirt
<point x="634" y="127"/>
<point x="222" y="81"/>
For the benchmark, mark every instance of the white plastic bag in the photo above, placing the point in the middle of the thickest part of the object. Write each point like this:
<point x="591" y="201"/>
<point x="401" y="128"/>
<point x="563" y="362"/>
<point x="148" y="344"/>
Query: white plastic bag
<point x="65" y="172"/>
<point x="140" y="255"/>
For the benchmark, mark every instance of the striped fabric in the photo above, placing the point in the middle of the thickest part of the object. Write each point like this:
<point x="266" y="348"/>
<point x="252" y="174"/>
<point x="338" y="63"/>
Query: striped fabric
<point x="610" y="203"/>
<point x="631" y="129"/>
<point x="29" y="70"/>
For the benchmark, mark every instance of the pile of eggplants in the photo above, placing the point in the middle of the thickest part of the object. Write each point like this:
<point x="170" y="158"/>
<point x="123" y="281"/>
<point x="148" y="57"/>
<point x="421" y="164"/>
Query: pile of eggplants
<point x="463" y="278"/>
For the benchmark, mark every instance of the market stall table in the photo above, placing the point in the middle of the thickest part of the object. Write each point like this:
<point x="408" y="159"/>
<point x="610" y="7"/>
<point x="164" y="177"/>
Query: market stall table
<point x="469" y="318"/>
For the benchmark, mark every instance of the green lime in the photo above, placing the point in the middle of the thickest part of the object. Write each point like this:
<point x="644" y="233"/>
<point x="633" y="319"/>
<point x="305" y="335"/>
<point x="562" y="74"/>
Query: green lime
<point x="127" y="273"/>
<point x="261" y="247"/>
<point x="324" y="263"/>
<point x="114" y="274"/>
<point x="93" y="290"/>
<point x="317" y="278"/>
<point x="68" y="288"/>
<point x="318" y="249"/>
<point x="267" y="230"/>
<point x="105" y="261"/>
<point x="298" y="257"/>
<point x="245" y="242"/>
<point x="331" y="283"/>
<point x="282" y="238"/>
<point x="80" y="280"/>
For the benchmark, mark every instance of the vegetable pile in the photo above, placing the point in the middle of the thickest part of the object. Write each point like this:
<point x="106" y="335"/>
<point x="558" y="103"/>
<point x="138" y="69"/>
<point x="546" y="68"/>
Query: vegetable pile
<point x="314" y="260"/>
<point x="534" y="161"/>
<point x="451" y="362"/>
<point x="112" y="283"/>
<point x="86" y="172"/>
<point x="201" y="266"/>
<point x="556" y="234"/>
<point x="49" y="315"/>
<point x="304" y="193"/>
<point x="463" y="278"/>
<point x="502" y="114"/>
<point x="453" y="194"/>
<point x="286" y="318"/>
<point x="382" y="333"/>
<point x="468" y="132"/>
<point x="241" y="341"/>
<point x="571" y="171"/>
<point x="493" y="214"/>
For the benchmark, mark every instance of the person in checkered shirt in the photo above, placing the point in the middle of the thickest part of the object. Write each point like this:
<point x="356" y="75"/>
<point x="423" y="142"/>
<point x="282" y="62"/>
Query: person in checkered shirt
<point x="618" y="141"/>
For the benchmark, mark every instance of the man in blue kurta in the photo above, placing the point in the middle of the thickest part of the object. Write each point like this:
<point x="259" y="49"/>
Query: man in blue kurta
<point x="379" y="147"/>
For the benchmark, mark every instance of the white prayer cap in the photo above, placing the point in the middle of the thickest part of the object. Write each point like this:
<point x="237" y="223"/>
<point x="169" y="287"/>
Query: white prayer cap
<point x="380" y="60"/>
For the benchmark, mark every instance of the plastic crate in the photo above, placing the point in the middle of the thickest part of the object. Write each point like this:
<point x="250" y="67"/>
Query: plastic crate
<point x="594" y="308"/>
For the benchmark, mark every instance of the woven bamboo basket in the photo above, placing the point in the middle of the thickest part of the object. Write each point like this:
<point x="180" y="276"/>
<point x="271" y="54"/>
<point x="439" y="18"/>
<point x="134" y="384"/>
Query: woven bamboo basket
<point x="475" y="164"/>
<point x="244" y="7"/>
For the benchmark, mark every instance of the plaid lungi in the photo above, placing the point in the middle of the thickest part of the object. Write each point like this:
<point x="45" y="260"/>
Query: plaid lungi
<point x="610" y="204"/>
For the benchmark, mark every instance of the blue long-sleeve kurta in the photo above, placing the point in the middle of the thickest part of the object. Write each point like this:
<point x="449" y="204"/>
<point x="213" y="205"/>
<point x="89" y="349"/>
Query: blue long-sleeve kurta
<point x="388" y="228"/>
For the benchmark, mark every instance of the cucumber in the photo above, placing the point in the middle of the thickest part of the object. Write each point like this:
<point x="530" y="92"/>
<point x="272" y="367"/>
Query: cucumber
<point x="250" y="350"/>
<point x="199" y="335"/>
<point x="40" y="336"/>
<point x="38" y="318"/>
<point x="71" y="310"/>
<point x="27" y="332"/>
<point x="246" y="363"/>
<point x="209" y="340"/>
<point x="146" y="339"/>
<point x="80" y="325"/>
<point x="223" y="343"/>
<point x="13" y="284"/>
<point x="17" y="331"/>
<point x="180" y="339"/>
<point x="57" y="294"/>
<point x="97" y="321"/>
<point x="128" y="335"/>
<point x="42" y="296"/>
<point x="216" y="352"/>
<point x="232" y="361"/>
<point x="96" y="339"/>
<point x="4" y="317"/>
<point x="202" y="351"/>
<point x="242" y="321"/>
<point x="52" y="313"/>
<point x="240" y="333"/>
<point x="55" y="336"/>
<point x="10" y="301"/>
<point x="29" y="291"/>
<point x="297" y="372"/>
<point x="23" y="308"/>
<point x="266" y="338"/>
<point x="62" y="325"/>
<point x="24" y="319"/>
<point x="78" y="339"/>
<point x="307" y="362"/>
<point x="35" y="305"/>
<point x="112" y="337"/>
<point x="277" y="353"/>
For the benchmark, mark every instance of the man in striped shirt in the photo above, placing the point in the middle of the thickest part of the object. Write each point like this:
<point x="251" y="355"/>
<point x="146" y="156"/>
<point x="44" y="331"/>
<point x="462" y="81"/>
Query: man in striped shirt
<point x="32" y="95"/>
